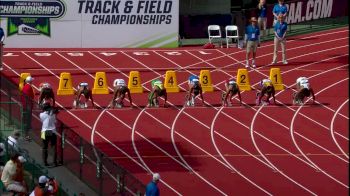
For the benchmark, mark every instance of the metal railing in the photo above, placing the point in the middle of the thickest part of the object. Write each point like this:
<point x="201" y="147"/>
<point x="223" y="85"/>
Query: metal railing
<point x="90" y="164"/>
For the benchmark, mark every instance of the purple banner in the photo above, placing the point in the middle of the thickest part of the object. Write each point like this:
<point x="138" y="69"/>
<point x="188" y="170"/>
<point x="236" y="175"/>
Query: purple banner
<point x="308" y="10"/>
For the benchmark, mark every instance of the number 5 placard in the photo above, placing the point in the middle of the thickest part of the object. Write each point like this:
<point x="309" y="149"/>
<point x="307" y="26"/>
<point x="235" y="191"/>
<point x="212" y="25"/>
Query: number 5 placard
<point x="134" y="83"/>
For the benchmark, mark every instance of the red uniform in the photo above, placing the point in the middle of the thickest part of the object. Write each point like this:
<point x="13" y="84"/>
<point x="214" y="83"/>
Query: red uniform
<point x="29" y="92"/>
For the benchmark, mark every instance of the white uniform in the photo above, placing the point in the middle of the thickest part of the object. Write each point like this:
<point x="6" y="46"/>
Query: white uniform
<point x="81" y="103"/>
<point x="303" y="82"/>
<point x="265" y="82"/>
<point x="85" y="84"/>
<point x="119" y="82"/>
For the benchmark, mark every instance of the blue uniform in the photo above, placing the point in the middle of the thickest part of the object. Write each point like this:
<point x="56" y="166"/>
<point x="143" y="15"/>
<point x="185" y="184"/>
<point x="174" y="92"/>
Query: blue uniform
<point x="193" y="79"/>
<point x="252" y="32"/>
<point x="278" y="9"/>
<point x="280" y="28"/>
<point x="2" y="34"/>
<point x="263" y="11"/>
<point x="152" y="189"/>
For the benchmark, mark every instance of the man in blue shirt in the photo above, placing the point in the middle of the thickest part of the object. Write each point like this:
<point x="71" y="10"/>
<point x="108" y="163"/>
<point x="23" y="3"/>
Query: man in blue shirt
<point x="280" y="31"/>
<point x="2" y="38"/>
<point x="278" y="9"/>
<point x="262" y="19"/>
<point x="152" y="188"/>
<point x="252" y="40"/>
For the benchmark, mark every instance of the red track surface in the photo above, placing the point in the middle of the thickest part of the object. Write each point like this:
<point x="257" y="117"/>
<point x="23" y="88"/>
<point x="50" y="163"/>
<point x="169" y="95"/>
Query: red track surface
<point x="242" y="150"/>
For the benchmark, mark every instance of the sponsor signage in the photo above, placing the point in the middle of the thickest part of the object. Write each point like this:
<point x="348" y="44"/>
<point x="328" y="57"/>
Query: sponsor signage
<point x="31" y="17"/>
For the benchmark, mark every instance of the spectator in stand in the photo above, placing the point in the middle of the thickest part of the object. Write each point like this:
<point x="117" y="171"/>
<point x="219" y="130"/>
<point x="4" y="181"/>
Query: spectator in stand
<point x="2" y="38"/>
<point x="48" y="132"/>
<point x="2" y="155"/>
<point x="262" y="19"/>
<point x="152" y="188"/>
<point x="22" y="174"/>
<point x="46" y="187"/>
<point x="278" y="9"/>
<point x="27" y="102"/>
<point x="280" y="31"/>
<point x="252" y="40"/>
<point x="12" y="140"/>
<point x="9" y="174"/>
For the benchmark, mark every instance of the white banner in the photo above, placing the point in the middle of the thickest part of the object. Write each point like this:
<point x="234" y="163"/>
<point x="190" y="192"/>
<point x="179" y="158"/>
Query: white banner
<point x="90" y="23"/>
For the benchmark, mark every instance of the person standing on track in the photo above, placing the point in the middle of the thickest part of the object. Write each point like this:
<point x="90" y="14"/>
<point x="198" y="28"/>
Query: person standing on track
<point x="27" y="99"/>
<point x="279" y="9"/>
<point x="303" y="90"/>
<point x="267" y="88"/>
<point x="158" y="90"/>
<point x="2" y="38"/>
<point x="231" y="89"/>
<point x="262" y="19"/>
<point x="83" y="90"/>
<point x="251" y="40"/>
<point x="152" y="188"/>
<point x="120" y="89"/>
<point x="280" y="31"/>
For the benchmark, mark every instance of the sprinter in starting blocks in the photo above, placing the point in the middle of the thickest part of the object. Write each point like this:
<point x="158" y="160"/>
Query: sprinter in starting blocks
<point x="195" y="89"/>
<point x="158" y="90"/>
<point x="266" y="88"/>
<point x="120" y="89"/>
<point x="85" y="91"/>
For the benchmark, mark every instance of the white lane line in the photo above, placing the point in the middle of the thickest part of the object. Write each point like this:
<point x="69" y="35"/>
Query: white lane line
<point x="296" y="144"/>
<point x="223" y="158"/>
<point x="332" y="128"/>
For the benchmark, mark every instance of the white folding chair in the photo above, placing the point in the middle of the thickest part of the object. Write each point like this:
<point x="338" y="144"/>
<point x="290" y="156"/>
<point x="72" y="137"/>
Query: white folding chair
<point x="214" y="32"/>
<point x="231" y="33"/>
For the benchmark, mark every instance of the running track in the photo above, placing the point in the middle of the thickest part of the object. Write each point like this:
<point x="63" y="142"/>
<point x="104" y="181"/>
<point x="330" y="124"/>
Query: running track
<point x="242" y="150"/>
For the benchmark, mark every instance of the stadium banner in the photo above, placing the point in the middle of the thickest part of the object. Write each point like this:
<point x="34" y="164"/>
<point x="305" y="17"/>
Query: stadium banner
<point x="90" y="23"/>
<point x="308" y="10"/>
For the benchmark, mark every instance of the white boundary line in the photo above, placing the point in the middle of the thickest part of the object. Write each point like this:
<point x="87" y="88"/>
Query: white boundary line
<point x="332" y="128"/>
<point x="266" y="159"/>
<point x="135" y="148"/>
<point x="297" y="146"/>
<point x="223" y="158"/>
<point x="182" y="158"/>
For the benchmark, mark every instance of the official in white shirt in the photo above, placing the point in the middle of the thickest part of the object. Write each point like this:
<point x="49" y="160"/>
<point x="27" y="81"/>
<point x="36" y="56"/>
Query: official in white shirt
<point x="48" y="132"/>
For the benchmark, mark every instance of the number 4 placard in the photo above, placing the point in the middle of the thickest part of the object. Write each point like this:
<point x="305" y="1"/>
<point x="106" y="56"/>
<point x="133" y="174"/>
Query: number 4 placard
<point x="170" y="82"/>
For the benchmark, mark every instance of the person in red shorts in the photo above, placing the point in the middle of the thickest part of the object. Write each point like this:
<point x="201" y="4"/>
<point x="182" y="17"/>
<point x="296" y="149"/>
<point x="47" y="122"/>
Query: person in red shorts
<point x="27" y="103"/>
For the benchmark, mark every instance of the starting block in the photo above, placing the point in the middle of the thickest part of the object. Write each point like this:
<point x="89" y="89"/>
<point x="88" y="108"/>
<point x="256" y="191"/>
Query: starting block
<point x="22" y="79"/>
<point x="205" y="80"/>
<point x="243" y="80"/>
<point x="100" y="84"/>
<point x="276" y="78"/>
<point x="65" y="86"/>
<point x="170" y="82"/>
<point x="134" y="83"/>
